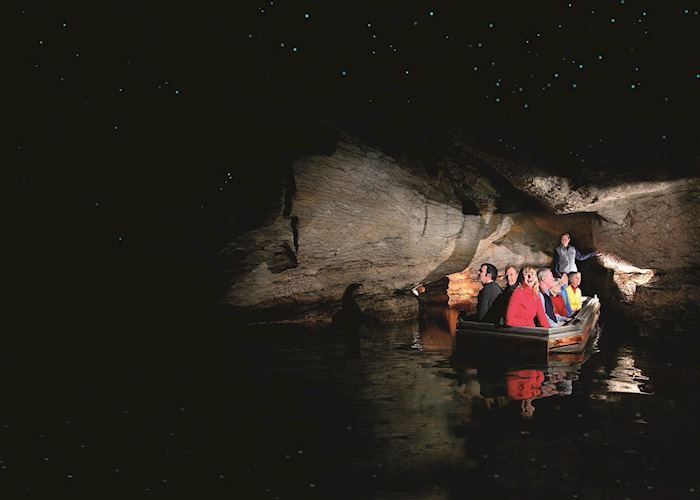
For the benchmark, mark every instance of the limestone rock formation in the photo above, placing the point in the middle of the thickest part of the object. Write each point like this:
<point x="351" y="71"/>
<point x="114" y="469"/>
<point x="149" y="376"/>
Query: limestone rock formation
<point x="360" y="215"/>
<point x="356" y="216"/>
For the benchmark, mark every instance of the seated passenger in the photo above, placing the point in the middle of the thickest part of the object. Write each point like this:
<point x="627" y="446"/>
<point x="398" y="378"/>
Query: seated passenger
<point x="498" y="310"/>
<point x="573" y="291"/>
<point x="525" y="303"/>
<point x="564" y="281"/>
<point x="558" y="301"/>
<point x="487" y="296"/>
<point x="489" y="293"/>
<point x="546" y="282"/>
<point x="511" y="276"/>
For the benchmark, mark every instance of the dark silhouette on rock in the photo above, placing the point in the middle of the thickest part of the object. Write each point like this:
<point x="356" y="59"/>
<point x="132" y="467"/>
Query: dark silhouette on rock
<point x="350" y="318"/>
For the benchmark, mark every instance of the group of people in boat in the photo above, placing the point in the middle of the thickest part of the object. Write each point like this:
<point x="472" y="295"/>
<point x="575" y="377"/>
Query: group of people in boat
<point x="544" y="297"/>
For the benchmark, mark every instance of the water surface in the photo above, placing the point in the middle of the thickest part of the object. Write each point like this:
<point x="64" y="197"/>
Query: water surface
<point x="202" y="409"/>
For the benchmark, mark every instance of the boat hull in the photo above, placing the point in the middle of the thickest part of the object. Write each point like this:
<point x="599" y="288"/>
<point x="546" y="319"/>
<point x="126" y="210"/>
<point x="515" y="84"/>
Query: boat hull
<point x="539" y="344"/>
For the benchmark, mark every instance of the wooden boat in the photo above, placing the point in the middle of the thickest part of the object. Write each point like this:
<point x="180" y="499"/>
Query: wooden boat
<point x="566" y="341"/>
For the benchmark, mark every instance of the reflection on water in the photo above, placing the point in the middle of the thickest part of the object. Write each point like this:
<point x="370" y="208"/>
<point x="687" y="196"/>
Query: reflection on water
<point x="398" y="412"/>
<point x="625" y="377"/>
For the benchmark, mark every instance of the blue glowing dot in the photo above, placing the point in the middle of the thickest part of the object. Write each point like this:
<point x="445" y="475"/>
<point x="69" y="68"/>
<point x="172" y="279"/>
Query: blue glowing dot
<point x="633" y="86"/>
<point x="476" y="68"/>
<point x="622" y="2"/>
<point x="498" y="99"/>
<point x="344" y="73"/>
<point x="525" y="105"/>
<point x="294" y="49"/>
<point x="431" y="13"/>
<point x="573" y="85"/>
<point x="307" y="15"/>
<point x="177" y="92"/>
<point x="65" y="25"/>
<point x="369" y="25"/>
<point x="490" y="25"/>
<point x="685" y="11"/>
<point x="644" y="13"/>
<point x="663" y="136"/>
<point x="600" y="58"/>
<point x="612" y="19"/>
<point x="697" y="75"/>
<point x="406" y="72"/>
<point x="498" y="84"/>
<point x="580" y="66"/>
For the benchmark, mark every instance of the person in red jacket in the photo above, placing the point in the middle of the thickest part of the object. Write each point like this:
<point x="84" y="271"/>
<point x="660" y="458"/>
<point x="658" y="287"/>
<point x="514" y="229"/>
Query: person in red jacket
<point x="558" y="301"/>
<point x="525" y="304"/>
<point x="525" y="386"/>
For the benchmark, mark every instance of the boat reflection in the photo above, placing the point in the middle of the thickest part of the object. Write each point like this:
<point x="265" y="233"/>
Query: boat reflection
<point x="500" y="378"/>
<point x="438" y="328"/>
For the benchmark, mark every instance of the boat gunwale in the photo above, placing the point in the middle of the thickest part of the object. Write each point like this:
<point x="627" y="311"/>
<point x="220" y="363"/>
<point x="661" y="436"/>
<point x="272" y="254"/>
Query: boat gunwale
<point x="585" y="315"/>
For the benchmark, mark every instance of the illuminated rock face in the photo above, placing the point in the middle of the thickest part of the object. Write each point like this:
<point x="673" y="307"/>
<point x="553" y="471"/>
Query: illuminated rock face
<point x="358" y="215"/>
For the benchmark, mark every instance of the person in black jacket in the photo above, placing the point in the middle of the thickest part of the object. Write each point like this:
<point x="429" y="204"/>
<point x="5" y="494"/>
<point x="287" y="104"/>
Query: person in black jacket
<point x="489" y="293"/>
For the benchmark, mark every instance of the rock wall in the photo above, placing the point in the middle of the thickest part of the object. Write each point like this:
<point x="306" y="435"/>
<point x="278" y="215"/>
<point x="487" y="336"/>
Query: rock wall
<point x="358" y="215"/>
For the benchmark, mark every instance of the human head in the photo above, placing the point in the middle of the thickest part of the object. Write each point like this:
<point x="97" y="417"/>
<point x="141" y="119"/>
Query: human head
<point x="528" y="276"/>
<point x="556" y="288"/>
<point x="575" y="278"/>
<point x="511" y="275"/>
<point x="487" y="273"/>
<point x="564" y="280"/>
<point x="545" y="277"/>
<point x="565" y="239"/>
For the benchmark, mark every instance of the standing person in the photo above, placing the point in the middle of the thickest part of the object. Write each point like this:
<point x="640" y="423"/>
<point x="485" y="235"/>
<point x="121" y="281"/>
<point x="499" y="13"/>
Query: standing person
<point x="525" y="304"/>
<point x="546" y="283"/>
<point x="566" y="255"/>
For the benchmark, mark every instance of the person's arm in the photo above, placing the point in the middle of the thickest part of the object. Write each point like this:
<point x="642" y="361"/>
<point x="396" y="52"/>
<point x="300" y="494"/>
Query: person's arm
<point x="565" y="297"/>
<point x="540" y="307"/>
<point x="481" y="306"/>
<point x="585" y="256"/>
<point x="555" y="265"/>
<point x="552" y="323"/>
<point x="513" y="305"/>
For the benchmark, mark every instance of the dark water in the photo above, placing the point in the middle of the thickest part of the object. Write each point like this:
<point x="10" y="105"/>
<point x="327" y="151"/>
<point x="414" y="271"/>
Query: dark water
<point x="200" y="409"/>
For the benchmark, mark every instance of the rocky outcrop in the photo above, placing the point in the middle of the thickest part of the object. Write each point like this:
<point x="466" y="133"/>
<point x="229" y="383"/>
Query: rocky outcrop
<point x="356" y="216"/>
<point x="645" y="225"/>
<point x="359" y="215"/>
